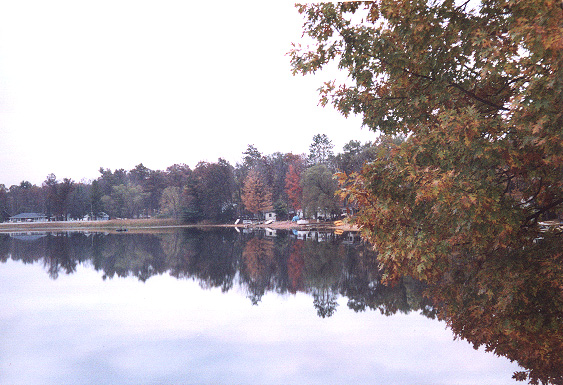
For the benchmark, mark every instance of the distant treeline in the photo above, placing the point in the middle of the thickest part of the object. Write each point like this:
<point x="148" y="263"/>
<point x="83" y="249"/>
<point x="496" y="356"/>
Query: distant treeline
<point x="217" y="192"/>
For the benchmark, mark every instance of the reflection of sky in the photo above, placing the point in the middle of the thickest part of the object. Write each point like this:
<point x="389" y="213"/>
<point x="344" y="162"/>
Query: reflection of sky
<point x="80" y="329"/>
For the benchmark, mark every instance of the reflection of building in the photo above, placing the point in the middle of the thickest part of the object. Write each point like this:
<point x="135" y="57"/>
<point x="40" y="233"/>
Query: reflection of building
<point x="352" y="238"/>
<point x="313" y="234"/>
<point x="303" y="234"/>
<point x="28" y="217"/>
<point x="28" y="236"/>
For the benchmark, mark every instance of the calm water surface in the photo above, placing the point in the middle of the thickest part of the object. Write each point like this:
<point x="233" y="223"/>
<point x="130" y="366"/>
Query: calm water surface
<point x="219" y="307"/>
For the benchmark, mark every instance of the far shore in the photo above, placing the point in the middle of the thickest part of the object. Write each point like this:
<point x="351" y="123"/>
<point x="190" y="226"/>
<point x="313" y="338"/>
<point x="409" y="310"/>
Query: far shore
<point x="156" y="224"/>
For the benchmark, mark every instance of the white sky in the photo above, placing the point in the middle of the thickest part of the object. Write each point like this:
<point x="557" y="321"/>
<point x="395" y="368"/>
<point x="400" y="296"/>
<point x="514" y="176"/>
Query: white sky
<point x="115" y="83"/>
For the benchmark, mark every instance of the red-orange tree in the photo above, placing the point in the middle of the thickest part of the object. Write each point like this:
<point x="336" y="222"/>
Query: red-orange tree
<point x="293" y="187"/>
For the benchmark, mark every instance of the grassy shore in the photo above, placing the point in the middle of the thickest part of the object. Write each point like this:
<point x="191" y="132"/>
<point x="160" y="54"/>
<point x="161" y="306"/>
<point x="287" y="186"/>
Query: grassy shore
<point x="146" y="224"/>
<point x="110" y="225"/>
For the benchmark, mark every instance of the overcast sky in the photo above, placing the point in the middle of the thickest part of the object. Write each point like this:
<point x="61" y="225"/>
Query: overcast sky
<point x="90" y="84"/>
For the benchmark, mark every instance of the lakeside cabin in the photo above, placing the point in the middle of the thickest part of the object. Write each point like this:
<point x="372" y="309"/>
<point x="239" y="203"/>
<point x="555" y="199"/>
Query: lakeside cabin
<point x="270" y="216"/>
<point x="28" y="217"/>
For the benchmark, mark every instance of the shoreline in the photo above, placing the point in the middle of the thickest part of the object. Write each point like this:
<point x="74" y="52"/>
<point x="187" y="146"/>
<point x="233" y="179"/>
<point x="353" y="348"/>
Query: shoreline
<point x="157" y="224"/>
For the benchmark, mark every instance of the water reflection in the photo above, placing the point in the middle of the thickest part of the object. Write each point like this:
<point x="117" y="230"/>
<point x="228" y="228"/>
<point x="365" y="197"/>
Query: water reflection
<point x="324" y="265"/>
<point x="512" y="306"/>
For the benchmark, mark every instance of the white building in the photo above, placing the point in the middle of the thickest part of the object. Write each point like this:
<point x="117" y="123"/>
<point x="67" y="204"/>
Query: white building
<point x="28" y="217"/>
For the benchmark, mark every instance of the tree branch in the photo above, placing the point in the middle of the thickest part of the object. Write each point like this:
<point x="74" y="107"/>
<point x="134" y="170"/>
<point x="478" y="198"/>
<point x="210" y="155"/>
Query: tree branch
<point x="476" y="97"/>
<point x="455" y="85"/>
<point x="542" y="210"/>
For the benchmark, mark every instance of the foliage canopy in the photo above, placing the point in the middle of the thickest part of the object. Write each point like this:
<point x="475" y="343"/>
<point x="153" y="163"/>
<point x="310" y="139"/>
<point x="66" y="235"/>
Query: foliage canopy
<point x="319" y="188"/>
<point x="256" y="195"/>
<point x="479" y="95"/>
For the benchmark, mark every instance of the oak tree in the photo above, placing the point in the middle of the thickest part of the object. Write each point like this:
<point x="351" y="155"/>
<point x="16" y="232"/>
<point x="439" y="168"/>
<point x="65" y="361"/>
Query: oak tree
<point x="478" y="92"/>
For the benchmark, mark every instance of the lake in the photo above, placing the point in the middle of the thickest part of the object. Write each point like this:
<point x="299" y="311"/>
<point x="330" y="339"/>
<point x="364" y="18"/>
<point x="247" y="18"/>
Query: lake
<point x="220" y="307"/>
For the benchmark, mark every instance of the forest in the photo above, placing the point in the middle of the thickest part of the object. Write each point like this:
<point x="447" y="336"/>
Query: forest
<point x="213" y="192"/>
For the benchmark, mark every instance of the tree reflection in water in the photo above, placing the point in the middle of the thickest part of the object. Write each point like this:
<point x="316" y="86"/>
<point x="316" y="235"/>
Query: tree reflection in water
<point x="512" y="305"/>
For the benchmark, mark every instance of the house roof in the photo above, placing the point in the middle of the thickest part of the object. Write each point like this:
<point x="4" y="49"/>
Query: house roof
<point x="28" y="215"/>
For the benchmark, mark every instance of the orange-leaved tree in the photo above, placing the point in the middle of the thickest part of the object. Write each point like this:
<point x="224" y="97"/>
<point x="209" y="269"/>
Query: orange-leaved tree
<point x="477" y="88"/>
<point x="479" y="94"/>
<point x="256" y="195"/>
